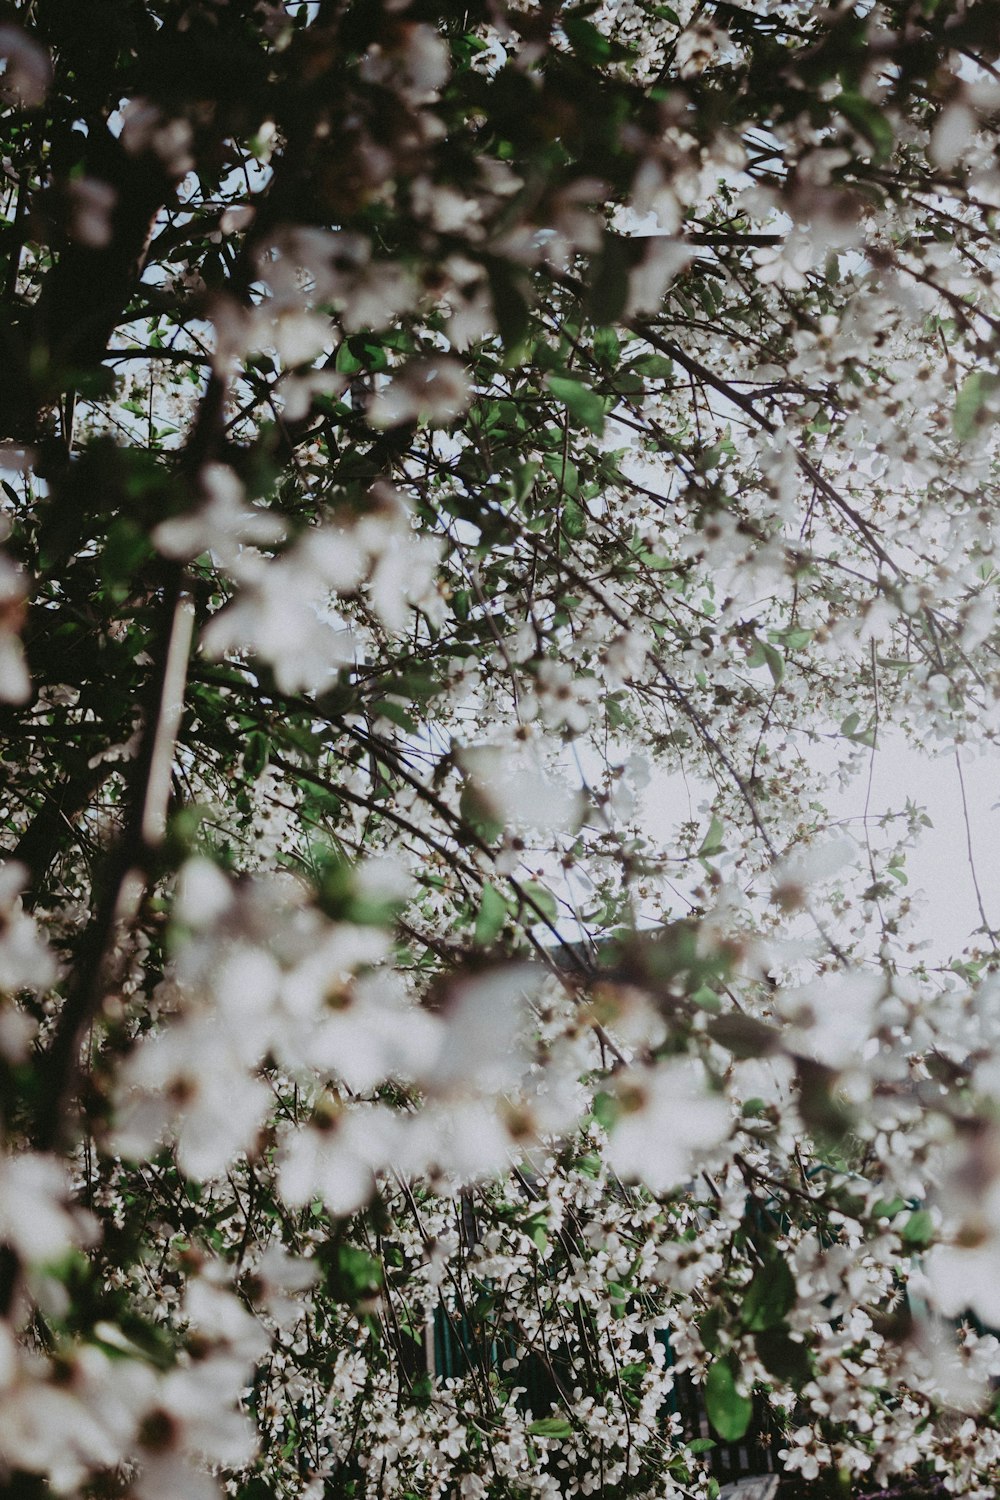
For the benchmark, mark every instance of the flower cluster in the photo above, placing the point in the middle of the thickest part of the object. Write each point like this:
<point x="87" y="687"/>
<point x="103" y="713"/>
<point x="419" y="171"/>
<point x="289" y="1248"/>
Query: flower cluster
<point x="486" y="492"/>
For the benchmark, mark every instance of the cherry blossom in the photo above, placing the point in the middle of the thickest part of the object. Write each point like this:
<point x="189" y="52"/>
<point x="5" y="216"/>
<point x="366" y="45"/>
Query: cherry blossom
<point x="487" y="491"/>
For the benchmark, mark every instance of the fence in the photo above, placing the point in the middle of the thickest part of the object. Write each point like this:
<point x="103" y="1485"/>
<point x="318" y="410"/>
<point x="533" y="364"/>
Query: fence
<point x="455" y="1348"/>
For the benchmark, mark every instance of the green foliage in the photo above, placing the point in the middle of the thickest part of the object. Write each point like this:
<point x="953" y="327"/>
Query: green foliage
<point x="770" y="1295"/>
<point x="728" y="1411"/>
<point x="459" y="463"/>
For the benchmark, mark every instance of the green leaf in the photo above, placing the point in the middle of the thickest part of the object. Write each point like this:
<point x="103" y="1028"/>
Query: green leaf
<point x="764" y="655"/>
<point x="782" y="1356"/>
<point x="126" y="548"/>
<point x="971" y="411"/>
<point x="708" y="1328"/>
<point x="770" y="1295"/>
<point x="700" y="1445"/>
<point x="619" y="1296"/>
<point x="490" y="918"/>
<point x="461" y="603"/>
<point x="589" y="44"/>
<point x="775" y="662"/>
<point x="605" y="1109"/>
<point x="793" y="639"/>
<point x="629" y="384"/>
<point x="255" y="753"/>
<point x="523" y="479"/>
<point x="542" y="901"/>
<point x="351" y="1273"/>
<point x="509" y="304"/>
<point x="615" y="712"/>
<point x="388" y="708"/>
<point x="918" y="1229"/>
<point x="607" y="348"/>
<point x="610" y="286"/>
<point x="574" y="520"/>
<point x="303" y="739"/>
<point x="538" y="1230"/>
<point x="478" y="812"/>
<point x="744" y="1035"/>
<point x="869" y="121"/>
<point x="656" y="365"/>
<point x="347" y="361"/>
<point x="149" y="1342"/>
<point x="712" y="842"/>
<point x="565" y="471"/>
<point x="823" y="1105"/>
<point x="728" y="1411"/>
<point x="370" y="349"/>
<point x="551" y="1427"/>
<point x="850" y="728"/>
<point x="584" y="405"/>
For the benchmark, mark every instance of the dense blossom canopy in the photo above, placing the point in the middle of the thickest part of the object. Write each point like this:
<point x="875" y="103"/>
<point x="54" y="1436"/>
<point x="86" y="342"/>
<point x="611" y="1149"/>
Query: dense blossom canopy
<point x="475" y="480"/>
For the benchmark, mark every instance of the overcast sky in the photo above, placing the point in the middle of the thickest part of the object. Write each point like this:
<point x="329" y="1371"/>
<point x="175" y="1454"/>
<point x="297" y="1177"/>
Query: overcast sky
<point x="939" y="867"/>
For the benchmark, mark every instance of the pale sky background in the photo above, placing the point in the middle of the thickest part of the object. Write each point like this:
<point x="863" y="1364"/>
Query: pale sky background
<point x="938" y="867"/>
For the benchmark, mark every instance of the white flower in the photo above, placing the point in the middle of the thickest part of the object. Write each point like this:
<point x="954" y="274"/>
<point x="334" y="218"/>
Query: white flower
<point x="281" y="619"/>
<point x="964" y="1276"/>
<point x="671" y="1119"/>
<point x="204" y="894"/>
<point x="299" y="335"/>
<point x="435" y="389"/>
<point x="698" y="48"/>
<point x="563" y="698"/>
<point x="164" y="1476"/>
<point x="277" y="1281"/>
<point x="953" y="135"/>
<point x="334" y="554"/>
<point x="26" y="961"/>
<point x="213" y="1311"/>
<point x="362" y="1031"/>
<point x="34" y="1219"/>
<point x="793" y="875"/>
<point x="193" y="1077"/>
<point x="663" y="260"/>
<point x="53" y="1429"/>
<point x="830" y="1019"/>
<point x="146" y="128"/>
<point x="91" y="206"/>
<point x="224" y="525"/>
<point x="27" y="76"/>
<point x="482" y="1047"/>
<point x="518" y="792"/>
<point x="336" y="1159"/>
<point x="417" y="65"/>
<point x="338" y="266"/>
<point x="786" y="264"/>
<point x="404" y="577"/>
<point x="15" y="684"/>
<point x="190" y="1418"/>
<point x="466" y="1137"/>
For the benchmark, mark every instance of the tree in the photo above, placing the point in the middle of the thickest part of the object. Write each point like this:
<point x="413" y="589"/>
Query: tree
<point x="422" y="425"/>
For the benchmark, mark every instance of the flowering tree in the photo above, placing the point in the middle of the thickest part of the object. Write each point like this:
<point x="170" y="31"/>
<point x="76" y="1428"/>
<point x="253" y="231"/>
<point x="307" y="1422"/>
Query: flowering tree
<point x="432" y="437"/>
